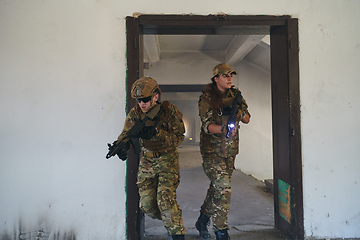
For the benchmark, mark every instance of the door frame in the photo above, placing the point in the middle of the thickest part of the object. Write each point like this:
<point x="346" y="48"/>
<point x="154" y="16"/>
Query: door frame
<point x="288" y="194"/>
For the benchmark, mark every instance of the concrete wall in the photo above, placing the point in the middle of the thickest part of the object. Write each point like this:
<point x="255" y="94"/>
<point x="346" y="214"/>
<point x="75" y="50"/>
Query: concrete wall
<point x="61" y="101"/>
<point x="62" y="85"/>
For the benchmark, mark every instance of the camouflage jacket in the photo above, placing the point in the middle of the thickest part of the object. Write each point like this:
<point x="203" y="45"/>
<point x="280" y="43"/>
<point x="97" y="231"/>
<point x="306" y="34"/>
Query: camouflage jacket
<point x="170" y="128"/>
<point x="217" y="142"/>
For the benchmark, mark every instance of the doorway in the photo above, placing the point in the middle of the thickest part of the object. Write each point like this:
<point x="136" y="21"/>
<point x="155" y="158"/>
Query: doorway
<point x="285" y="103"/>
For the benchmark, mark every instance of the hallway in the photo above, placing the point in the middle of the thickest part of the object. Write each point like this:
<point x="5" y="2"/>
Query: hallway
<point x="251" y="213"/>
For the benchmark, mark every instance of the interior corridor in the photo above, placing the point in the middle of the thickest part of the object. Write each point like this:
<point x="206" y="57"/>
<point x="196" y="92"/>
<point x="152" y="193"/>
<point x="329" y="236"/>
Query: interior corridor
<point x="251" y="213"/>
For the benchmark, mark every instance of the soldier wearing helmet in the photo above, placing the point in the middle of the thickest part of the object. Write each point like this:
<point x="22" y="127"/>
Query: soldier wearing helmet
<point x="144" y="90"/>
<point x="158" y="174"/>
<point x="218" y="152"/>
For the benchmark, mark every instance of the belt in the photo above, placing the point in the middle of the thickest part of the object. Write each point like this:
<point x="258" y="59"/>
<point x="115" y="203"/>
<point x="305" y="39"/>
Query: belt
<point x="157" y="154"/>
<point x="153" y="154"/>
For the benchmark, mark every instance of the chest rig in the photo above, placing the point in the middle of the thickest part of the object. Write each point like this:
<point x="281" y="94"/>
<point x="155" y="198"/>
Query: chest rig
<point x="224" y="110"/>
<point x="162" y="121"/>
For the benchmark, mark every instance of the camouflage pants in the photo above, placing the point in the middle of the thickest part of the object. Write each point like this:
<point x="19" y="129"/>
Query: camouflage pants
<point x="217" y="202"/>
<point x="158" y="179"/>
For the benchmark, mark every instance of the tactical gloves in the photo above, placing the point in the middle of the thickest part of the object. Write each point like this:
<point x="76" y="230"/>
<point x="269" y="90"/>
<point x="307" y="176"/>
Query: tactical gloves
<point x="121" y="152"/>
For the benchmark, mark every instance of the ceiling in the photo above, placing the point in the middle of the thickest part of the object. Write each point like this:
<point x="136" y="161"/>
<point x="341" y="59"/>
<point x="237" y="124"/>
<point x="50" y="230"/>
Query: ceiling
<point x="231" y="49"/>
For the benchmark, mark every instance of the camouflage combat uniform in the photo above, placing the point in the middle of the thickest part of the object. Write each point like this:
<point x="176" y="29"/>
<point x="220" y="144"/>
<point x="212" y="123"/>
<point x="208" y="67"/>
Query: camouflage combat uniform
<point x="218" y="153"/>
<point x="158" y="173"/>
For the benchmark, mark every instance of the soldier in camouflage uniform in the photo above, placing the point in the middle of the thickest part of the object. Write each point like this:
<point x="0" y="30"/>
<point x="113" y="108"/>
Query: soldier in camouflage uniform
<point x="218" y="152"/>
<point x="158" y="173"/>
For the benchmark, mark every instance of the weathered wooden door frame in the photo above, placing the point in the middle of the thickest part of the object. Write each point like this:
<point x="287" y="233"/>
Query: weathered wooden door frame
<point x="288" y="198"/>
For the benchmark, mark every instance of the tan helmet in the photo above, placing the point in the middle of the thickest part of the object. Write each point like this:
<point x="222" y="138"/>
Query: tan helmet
<point x="144" y="87"/>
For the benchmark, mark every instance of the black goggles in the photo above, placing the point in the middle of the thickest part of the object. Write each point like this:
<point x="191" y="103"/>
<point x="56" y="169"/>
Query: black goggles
<point x="144" y="100"/>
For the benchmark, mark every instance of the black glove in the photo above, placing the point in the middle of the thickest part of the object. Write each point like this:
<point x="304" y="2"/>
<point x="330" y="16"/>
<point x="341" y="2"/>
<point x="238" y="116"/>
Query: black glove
<point x="148" y="132"/>
<point x="122" y="153"/>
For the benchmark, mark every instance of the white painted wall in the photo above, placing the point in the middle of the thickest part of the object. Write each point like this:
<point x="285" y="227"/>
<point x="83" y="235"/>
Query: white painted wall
<point x="61" y="101"/>
<point x="62" y="85"/>
<point x="329" y="83"/>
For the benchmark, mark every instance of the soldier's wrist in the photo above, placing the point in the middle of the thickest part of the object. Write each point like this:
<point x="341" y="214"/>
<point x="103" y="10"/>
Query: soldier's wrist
<point x="243" y="114"/>
<point x="222" y="128"/>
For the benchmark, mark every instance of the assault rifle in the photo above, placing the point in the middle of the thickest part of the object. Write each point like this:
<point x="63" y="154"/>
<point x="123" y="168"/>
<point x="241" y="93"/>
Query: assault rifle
<point x="230" y="125"/>
<point x="132" y="135"/>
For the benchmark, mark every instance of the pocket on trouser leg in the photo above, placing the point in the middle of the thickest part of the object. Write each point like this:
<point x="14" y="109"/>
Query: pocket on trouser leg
<point x="150" y="209"/>
<point x="148" y="202"/>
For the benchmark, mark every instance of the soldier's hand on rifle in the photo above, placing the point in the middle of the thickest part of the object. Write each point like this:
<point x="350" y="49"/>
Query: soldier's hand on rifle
<point x="229" y="129"/>
<point x="122" y="153"/>
<point x="232" y="132"/>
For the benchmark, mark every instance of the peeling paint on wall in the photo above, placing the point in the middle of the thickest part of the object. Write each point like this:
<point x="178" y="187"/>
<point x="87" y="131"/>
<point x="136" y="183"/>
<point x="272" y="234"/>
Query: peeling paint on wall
<point x="284" y="200"/>
<point x="38" y="234"/>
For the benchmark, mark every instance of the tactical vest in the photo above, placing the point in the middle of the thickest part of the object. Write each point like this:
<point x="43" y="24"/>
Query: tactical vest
<point x="218" y="144"/>
<point x="224" y="111"/>
<point x="161" y="122"/>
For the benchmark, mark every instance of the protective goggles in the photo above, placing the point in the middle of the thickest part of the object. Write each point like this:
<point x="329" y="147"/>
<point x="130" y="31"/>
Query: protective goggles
<point x="144" y="100"/>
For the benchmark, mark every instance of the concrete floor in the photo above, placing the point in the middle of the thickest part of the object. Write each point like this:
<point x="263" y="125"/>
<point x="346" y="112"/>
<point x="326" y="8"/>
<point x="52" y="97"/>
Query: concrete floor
<point x="251" y="213"/>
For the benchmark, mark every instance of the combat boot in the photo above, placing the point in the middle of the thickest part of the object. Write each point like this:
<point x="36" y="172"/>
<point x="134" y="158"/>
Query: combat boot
<point x="222" y="235"/>
<point x="201" y="225"/>
<point x="178" y="237"/>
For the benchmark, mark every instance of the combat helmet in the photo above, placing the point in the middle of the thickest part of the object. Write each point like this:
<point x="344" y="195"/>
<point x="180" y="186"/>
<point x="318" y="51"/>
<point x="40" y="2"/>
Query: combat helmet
<point x="144" y="87"/>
